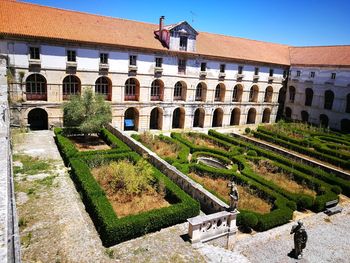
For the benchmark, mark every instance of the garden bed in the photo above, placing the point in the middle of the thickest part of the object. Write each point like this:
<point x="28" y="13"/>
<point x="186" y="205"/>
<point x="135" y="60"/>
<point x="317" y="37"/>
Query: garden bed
<point x="89" y="143"/>
<point x="248" y="198"/>
<point x="175" y="206"/>
<point x="267" y="170"/>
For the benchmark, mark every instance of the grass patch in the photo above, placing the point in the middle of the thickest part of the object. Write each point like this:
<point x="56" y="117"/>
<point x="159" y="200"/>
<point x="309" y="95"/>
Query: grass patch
<point x="25" y="240"/>
<point x="31" y="165"/>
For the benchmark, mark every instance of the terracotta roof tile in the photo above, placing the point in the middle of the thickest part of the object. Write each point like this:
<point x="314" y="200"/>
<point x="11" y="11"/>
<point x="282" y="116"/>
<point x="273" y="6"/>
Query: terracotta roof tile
<point x="30" y="20"/>
<point x="320" y="56"/>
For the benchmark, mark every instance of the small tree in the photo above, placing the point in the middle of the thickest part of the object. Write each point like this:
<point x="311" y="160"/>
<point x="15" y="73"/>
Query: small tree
<point x="87" y="113"/>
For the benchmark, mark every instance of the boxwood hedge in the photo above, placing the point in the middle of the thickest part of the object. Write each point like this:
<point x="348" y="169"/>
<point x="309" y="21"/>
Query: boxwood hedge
<point x="306" y="169"/>
<point x="112" y="229"/>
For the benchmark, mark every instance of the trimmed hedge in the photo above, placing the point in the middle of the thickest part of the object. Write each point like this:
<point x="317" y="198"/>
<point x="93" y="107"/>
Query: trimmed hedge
<point x="196" y="148"/>
<point x="112" y="229"/>
<point x="303" y="201"/>
<point x="315" y="172"/>
<point x="183" y="154"/>
<point x="320" y="152"/>
<point x="281" y="212"/>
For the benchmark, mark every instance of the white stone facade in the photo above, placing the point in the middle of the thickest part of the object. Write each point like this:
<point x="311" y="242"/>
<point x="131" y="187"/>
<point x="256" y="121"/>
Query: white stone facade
<point x="319" y="79"/>
<point x="53" y="67"/>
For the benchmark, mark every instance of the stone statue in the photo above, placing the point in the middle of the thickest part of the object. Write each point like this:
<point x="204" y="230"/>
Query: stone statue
<point x="233" y="196"/>
<point x="300" y="239"/>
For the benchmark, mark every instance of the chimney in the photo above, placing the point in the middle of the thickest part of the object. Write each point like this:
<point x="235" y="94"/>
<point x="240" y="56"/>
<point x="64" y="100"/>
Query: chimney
<point x="161" y="24"/>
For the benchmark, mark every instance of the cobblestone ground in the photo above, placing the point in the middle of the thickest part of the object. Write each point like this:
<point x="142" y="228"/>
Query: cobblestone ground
<point x="56" y="228"/>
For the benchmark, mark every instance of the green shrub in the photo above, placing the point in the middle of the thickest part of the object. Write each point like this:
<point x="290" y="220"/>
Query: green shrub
<point x="112" y="229"/>
<point x="304" y="202"/>
<point x="252" y="153"/>
<point x="247" y="130"/>
<point x="336" y="189"/>
<point x="247" y="220"/>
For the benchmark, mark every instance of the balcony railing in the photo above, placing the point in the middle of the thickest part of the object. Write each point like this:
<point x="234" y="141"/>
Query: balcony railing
<point x="130" y="97"/>
<point x="36" y="96"/>
<point x="156" y="98"/>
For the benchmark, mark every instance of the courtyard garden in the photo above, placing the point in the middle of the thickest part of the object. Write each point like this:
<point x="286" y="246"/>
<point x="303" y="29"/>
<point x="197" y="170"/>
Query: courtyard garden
<point x="125" y="196"/>
<point x="271" y="186"/>
<point x="316" y="142"/>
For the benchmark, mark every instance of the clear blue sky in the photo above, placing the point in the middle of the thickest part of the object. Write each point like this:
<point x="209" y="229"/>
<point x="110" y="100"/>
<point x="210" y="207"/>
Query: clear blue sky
<point x="293" y="22"/>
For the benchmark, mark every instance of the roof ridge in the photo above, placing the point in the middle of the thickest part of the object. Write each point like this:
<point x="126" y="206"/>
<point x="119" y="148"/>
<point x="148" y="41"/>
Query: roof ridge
<point x="80" y="12"/>
<point x="320" y="46"/>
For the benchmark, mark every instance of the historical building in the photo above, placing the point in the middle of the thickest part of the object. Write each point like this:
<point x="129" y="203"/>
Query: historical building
<point x="159" y="76"/>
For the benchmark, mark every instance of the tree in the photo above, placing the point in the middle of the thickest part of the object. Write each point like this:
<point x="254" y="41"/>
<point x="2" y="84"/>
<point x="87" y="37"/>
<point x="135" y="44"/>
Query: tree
<point x="87" y="113"/>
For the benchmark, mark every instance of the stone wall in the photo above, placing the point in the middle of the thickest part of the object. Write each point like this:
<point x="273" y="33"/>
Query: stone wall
<point x="9" y="237"/>
<point x="209" y="202"/>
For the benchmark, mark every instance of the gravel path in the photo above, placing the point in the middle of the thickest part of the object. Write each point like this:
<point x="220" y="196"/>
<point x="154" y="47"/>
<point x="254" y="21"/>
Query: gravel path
<point x="328" y="240"/>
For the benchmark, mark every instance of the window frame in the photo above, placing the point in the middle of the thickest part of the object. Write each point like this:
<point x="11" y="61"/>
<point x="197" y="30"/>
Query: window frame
<point x="104" y="58"/>
<point x="222" y="68"/>
<point x="71" y="55"/>
<point x="271" y="72"/>
<point x="183" y="43"/>
<point x="333" y="75"/>
<point x="203" y="66"/>
<point x="36" y="55"/>
<point x="240" y="69"/>
<point x="312" y="74"/>
<point x="159" y="62"/>
<point x="182" y="65"/>
<point x="256" y="71"/>
<point x="298" y="73"/>
<point x="132" y="60"/>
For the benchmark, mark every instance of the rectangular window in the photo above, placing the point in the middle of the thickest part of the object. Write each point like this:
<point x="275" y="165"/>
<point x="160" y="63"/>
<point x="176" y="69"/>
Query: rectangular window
<point x="159" y="62"/>
<point x="34" y="52"/>
<point x="71" y="56"/>
<point x="103" y="58"/>
<point x="183" y="43"/>
<point x="203" y="66"/>
<point x="271" y="72"/>
<point x="222" y="68"/>
<point x="132" y="60"/>
<point x="182" y="65"/>
<point x="333" y="75"/>
<point x="240" y="69"/>
<point x="284" y="74"/>
<point x="312" y="74"/>
<point x="298" y="73"/>
<point x="256" y="71"/>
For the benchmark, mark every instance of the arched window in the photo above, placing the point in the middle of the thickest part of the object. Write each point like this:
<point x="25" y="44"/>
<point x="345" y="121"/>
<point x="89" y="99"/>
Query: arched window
<point x="266" y="116"/>
<point x="304" y="116"/>
<point x="345" y="125"/>
<point x="347" y="110"/>
<point x="132" y="90"/>
<point x="217" y="118"/>
<point x="291" y="94"/>
<point x="36" y="87"/>
<point x="268" y="94"/>
<point x="178" y="118"/>
<point x="308" y="96"/>
<point x="253" y="94"/>
<point x="237" y="93"/>
<point x="219" y="92"/>
<point x="324" y="120"/>
<point x="156" y="119"/>
<point x="201" y="92"/>
<point x="251" y="116"/>
<point x="198" y="119"/>
<point x="235" y="116"/>
<point x="131" y="119"/>
<point x="328" y="99"/>
<point x="71" y="86"/>
<point x="180" y="91"/>
<point x="288" y="113"/>
<point x="103" y="86"/>
<point x="157" y="88"/>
